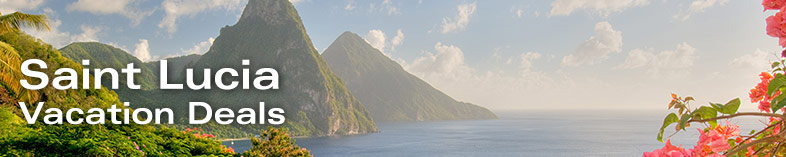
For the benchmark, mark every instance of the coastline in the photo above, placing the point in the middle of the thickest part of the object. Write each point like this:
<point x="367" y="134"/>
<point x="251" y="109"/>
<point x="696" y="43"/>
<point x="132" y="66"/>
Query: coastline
<point x="234" y="139"/>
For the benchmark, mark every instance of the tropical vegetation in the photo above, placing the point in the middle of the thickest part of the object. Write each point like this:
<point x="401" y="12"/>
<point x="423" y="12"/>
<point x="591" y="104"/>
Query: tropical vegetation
<point x="9" y="58"/>
<point x="18" y="138"/>
<point x="275" y="142"/>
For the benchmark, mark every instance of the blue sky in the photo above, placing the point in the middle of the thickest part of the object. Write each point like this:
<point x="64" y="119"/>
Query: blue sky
<point x="499" y="54"/>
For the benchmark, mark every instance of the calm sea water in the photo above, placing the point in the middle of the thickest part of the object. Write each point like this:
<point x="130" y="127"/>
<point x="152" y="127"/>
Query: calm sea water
<point x="515" y="133"/>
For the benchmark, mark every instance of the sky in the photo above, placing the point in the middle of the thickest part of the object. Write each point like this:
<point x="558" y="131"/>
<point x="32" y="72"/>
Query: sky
<point x="503" y="54"/>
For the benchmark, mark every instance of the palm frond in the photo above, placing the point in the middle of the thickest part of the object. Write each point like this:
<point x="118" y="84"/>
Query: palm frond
<point x="9" y="67"/>
<point x="17" y="20"/>
<point x="10" y="74"/>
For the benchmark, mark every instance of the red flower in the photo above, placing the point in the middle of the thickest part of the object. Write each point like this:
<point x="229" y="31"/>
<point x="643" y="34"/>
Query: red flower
<point x="773" y="4"/>
<point x="776" y="27"/>
<point x="759" y="93"/>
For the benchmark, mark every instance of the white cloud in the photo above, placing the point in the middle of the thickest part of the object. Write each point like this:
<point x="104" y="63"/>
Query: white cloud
<point x="105" y="7"/>
<point x="596" y="48"/>
<point x="669" y="63"/>
<point x="59" y="39"/>
<point x="376" y="38"/>
<point x="200" y="48"/>
<point x="602" y="7"/>
<point x="448" y="60"/>
<point x="698" y="6"/>
<point x="10" y="6"/>
<point x="295" y="1"/>
<point x="142" y="51"/>
<point x="175" y="9"/>
<point x="89" y="33"/>
<point x="526" y="60"/>
<point x="386" y="6"/>
<point x="397" y="40"/>
<point x="758" y="60"/>
<point x="460" y="21"/>
<point x="519" y="12"/>
<point x="121" y="47"/>
<point x="350" y="6"/>
<point x="637" y="58"/>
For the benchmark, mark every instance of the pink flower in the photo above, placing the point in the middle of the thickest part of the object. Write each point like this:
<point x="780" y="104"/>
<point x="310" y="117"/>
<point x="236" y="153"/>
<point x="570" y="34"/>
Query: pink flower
<point x="719" y="146"/>
<point x="777" y="129"/>
<point x="715" y="140"/>
<point x="764" y="105"/>
<point x="669" y="151"/>
<point x="773" y="4"/>
<point x="775" y="27"/>
<point x="727" y="131"/>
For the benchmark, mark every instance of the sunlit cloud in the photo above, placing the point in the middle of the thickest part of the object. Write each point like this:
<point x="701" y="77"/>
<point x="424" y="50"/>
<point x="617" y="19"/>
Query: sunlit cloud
<point x="597" y="48"/>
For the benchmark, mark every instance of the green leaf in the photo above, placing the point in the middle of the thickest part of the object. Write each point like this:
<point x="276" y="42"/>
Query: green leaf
<point x="776" y="83"/>
<point x="690" y="98"/>
<point x="775" y="64"/>
<point x="706" y="112"/>
<point x="717" y="106"/>
<point x="713" y="124"/>
<point x="731" y="107"/>
<point x="684" y="121"/>
<point x="671" y="118"/>
<point x="778" y="103"/>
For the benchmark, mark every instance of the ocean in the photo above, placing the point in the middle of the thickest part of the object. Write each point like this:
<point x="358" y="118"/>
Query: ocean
<point x="515" y="133"/>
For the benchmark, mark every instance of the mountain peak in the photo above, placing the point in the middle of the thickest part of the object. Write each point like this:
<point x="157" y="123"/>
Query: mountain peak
<point x="270" y="11"/>
<point x="361" y="49"/>
<point x="347" y="35"/>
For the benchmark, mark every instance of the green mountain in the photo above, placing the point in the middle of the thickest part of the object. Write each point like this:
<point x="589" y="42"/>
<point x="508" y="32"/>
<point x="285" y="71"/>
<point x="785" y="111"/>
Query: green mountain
<point x="271" y="35"/>
<point x="389" y="92"/>
<point x="17" y="138"/>
<point x="107" y="56"/>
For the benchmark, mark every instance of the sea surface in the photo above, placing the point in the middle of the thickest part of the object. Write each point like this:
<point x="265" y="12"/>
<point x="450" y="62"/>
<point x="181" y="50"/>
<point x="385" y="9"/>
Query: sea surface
<point x="515" y="133"/>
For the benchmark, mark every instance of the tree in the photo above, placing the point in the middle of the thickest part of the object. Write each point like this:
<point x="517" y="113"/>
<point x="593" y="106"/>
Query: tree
<point x="275" y="142"/>
<point x="10" y="60"/>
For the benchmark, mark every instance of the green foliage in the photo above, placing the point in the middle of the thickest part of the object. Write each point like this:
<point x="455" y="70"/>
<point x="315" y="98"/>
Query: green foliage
<point x="389" y="92"/>
<point x="671" y="118"/>
<point x="685" y="114"/>
<point x="706" y="112"/>
<point x="274" y="142"/>
<point x="20" y="139"/>
<point x="9" y="57"/>
<point x="17" y="20"/>
<point x="731" y="107"/>
<point x="778" y="83"/>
